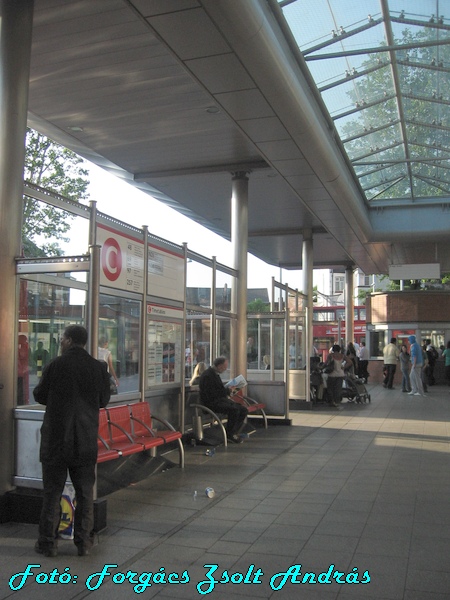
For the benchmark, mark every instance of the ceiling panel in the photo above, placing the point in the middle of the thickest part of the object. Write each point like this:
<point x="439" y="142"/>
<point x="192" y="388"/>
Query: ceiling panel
<point x="140" y="82"/>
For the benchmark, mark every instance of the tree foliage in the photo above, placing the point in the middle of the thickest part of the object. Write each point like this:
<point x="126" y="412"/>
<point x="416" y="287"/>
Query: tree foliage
<point x="374" y="133"/>
<point x="257" y="306"/>
<point x="53" y="167"/>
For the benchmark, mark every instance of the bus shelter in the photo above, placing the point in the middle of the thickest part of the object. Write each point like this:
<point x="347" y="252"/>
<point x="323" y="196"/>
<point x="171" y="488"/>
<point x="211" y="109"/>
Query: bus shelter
<point x="141" y="294"/>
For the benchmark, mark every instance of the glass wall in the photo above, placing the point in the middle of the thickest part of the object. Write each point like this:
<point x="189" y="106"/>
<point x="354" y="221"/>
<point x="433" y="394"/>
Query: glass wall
<point x="224" y="283"/>
<point x="198" y="341"/>
<point x="198" y="284"/>
<point x="223" y="337"/>
<point x="437" y="337"/>
<point x="259" y="346"/>
<point x="119" y="328"/>
<point x="47" y="306"/>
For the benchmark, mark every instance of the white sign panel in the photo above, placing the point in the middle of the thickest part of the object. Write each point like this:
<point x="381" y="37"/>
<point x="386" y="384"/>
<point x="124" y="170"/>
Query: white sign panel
<point x="122" y="260"/>
<point x="164" y="345"/>
<point x="418" y="271"/>
<point x="158" y="310"/>
<point x="165" y="274"/>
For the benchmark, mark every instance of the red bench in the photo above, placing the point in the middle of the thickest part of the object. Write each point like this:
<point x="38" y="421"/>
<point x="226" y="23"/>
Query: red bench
<point x="253" y="406"/>
<point x="105" y="452"/>
<point x="250" y="404"/>
<point x="127" y="429"/>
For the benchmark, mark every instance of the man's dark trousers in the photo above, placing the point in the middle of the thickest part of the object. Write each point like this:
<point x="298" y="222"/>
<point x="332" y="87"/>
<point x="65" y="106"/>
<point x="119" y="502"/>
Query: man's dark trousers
<point x="236" y="413"/>
<point x="54" y="477"/>
<point x="390" y="372"/>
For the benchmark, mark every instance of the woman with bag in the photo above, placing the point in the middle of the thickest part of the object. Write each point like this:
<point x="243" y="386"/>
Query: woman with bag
<point x="335" y="366"/>
<point x="105" y="354"/>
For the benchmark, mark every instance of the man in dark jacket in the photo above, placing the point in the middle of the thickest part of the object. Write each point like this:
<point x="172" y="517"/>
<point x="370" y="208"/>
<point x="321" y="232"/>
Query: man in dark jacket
<point x="73" y="387"/>
<point x="216" y="396"/>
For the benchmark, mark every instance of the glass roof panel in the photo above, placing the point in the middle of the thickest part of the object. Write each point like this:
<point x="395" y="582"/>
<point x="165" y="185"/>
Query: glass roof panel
<point x="383" y="70"/>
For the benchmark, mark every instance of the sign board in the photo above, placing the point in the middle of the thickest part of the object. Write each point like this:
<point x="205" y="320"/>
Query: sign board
<point x="417" y="271"/>
<point x="122" y="260"/>
<point x="164" y="345"/>
<point x="122" y="265"/>
<point x="165" y="274"/>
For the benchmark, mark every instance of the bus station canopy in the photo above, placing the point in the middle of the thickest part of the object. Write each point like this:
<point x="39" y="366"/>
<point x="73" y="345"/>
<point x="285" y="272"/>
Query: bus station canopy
<point x="338" y="111"/>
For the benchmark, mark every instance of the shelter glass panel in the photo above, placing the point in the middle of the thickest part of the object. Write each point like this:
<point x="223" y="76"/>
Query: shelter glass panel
<point x="198" y="284"/>
<point x="198" y="341"/>
<point x="50" y="231"/>
<point x="47" y="305"/>
<point x="223" y="335"/>
<point x="224" y="285"/>
<point x="119" y="323"/>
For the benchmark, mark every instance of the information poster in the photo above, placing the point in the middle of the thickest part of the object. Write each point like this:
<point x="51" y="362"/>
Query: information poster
<point x="122" y="260"/>
<point x="165" y="274"/>
<point x="164" y="345"/>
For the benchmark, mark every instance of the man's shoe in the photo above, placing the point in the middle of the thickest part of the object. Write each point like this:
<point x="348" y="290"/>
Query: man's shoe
<point x="83" y="551"/>
<point x="50" y="552"/>
<point x="410" y="393"/>
<point x="234" y="439"/>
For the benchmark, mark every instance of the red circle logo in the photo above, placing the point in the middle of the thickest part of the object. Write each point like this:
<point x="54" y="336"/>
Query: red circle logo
<point x="111" y="259"/>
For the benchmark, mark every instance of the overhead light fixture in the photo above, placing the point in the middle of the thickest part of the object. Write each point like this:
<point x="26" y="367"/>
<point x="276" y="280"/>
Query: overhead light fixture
<point x="213" y="110"/>
<point x="75" y="128"/>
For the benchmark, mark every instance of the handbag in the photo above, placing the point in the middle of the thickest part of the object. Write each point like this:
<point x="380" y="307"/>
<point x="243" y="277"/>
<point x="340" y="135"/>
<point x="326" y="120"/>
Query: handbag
<point x="112" y="386"/>
<point x="329" y="368"/>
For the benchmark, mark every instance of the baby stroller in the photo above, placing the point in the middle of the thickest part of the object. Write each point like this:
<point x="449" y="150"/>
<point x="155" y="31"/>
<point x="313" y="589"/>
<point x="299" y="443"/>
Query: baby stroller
<point x="354" y="389"/>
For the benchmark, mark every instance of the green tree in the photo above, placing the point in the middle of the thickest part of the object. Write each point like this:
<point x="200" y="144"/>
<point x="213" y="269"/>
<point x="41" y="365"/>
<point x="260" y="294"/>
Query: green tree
<point x="257" y="306"/>
<point x="375" y="135"/>
<point x="55" y="168"/>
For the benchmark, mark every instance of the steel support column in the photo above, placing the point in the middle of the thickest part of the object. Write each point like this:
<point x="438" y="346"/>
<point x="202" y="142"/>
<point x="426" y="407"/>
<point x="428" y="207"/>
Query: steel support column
<point x="16" y="20"/>
<point x="349" y="306"/>
<point x="307" y="274"/>
<point x="239" y="239"/>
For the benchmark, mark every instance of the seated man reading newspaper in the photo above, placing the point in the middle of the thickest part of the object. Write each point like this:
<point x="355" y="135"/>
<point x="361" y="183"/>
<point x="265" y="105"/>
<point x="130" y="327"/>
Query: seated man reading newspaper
<point x="215" y="395"/>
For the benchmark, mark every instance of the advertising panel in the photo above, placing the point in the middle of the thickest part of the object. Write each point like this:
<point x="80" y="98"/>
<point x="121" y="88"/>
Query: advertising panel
<point x="164" y="344"/>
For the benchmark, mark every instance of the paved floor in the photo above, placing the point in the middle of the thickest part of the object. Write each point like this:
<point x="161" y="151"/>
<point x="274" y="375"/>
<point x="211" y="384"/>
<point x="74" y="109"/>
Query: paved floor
<point x="362" y="490"/>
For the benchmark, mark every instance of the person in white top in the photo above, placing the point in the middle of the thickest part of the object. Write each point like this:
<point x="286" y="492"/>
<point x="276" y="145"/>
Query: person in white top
<point x="390" y="356"/>
<point x="105" y="354"/>
<point x="337" y="362"/>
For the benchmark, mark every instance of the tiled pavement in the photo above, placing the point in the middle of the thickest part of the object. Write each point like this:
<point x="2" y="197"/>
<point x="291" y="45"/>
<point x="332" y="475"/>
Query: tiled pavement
<point x="361" y="487"/>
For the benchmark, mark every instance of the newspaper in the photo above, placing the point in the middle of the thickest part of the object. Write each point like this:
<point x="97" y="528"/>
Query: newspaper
<point x="237" y="383"/>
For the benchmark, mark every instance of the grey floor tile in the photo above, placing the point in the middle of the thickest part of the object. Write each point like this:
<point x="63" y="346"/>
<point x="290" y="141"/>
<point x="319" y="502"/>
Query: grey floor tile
<point x="361" y="487"/>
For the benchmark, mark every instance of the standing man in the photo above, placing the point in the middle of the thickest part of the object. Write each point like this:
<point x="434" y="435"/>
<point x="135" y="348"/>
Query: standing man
<point x="390" y="355"/>
<point x="216" y="396"/>
<point x="432" y="355"/>
<point x="73" y="387"/>
<point x="415" y="352"/>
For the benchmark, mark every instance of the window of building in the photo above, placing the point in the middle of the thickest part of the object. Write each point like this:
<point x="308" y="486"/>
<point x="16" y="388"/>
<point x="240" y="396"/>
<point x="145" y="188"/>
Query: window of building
<point x="339" y="283"/>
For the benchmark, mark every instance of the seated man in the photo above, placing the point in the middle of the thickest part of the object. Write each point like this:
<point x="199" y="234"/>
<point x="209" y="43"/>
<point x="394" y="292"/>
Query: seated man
<point x="214" y="395"/>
